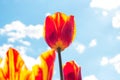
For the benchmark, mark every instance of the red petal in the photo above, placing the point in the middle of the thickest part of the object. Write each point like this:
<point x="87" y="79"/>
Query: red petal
<point x="39" y="75"/>
<point x="69" y="72"/>
<point x="14" y="64"/>
<point x="72" y="71"/>
<point x="79" y="74"/>
<point x="51" y="35"/>
<point x="49" y="58"/>
<point x="68" y="31"/>
<point x="60" y="19"/>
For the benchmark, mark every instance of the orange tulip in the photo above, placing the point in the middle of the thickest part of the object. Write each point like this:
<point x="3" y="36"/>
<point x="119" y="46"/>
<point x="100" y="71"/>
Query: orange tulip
<point x="72" y="71"/>
<point x="12" y="67"/>
<point x="59" y="30"/>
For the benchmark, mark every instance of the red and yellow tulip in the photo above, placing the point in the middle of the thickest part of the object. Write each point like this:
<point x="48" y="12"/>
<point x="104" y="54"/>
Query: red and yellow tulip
<point x="12" y="67"/>
<point x="46" y="66"/>
<point x="72" y="71"/>
<point x="59" y="30"/>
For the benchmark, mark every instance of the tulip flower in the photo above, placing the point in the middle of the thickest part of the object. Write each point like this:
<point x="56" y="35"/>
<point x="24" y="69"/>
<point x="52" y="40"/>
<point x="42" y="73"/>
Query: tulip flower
<point x="72" y="71"/>
<point x="12" y="67"/>
<point x="59" y="33"/>
<point x="59" y="30"/>
<point x="45" y="68"/>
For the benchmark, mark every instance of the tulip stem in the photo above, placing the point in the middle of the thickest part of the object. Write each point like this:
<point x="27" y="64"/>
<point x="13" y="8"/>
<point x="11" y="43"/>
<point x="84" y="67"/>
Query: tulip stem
<point x="60" y="63"/>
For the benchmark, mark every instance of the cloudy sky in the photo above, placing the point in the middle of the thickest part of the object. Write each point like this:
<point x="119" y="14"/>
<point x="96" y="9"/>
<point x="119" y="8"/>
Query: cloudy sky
<point x="96" y="47"/>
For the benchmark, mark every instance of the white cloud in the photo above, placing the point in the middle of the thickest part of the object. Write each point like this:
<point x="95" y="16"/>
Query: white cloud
<point x="4" y="48"/>
<point x="115" y="61"/>
<point x="117" y="67"/>
<point x="27" y="43"/>
<point x="14" y="31"/>
<point x="105" y="4"/>
<point x="80" y="48"/>
<point x="91" y="77"/>
<point x="34" y="31"/>
<point x="116" y="21"/>
<point x="30" y="61"/>
<point x="93" y="43"/>
<point x="17" y="31"/>
<point x="47" y="14"/>
<point x="104" y="61"/>
<point x="104" y="13"/>
<point x="118" y="37"/>
<point x="21" y="49"/>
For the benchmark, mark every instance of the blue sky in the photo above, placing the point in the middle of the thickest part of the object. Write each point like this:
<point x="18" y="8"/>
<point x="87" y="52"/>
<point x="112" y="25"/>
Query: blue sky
<point x="96" y="47"/>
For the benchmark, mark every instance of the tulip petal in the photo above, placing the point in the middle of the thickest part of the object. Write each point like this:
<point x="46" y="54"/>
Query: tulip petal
<point x="72" y="71"/>
<point x="25" y="74"/>
<point x="69" y="72"/>
<point x="1" y="75"/>
<point x="67" y="32"/>
<point x="37" y="72"/>
<point x="15" y="64"/>
<point x="50" y="32"/>
<point x="4" y="68"/>
<point x="60" y="19"/>
<point x="12" y="66"/>
<point x="49" y="58"/>
<point x="43" y="66"/>
<point x="43" y="70"/>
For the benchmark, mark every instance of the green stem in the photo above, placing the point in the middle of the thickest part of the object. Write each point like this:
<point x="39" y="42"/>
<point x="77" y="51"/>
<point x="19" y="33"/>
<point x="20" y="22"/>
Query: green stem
<point x="60" y="63"/>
